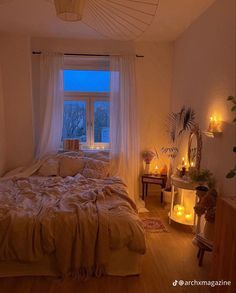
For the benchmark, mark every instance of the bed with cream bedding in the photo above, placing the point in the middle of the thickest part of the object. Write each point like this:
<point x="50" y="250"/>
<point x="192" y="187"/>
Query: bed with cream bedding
<point x="75" y="226"/>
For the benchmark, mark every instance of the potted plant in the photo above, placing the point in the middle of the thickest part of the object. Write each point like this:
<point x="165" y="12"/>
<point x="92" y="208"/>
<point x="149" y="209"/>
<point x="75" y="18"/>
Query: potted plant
<point x="177" y="124"/>
<point x="232" y="172"/>
<point x="202" y="177"/>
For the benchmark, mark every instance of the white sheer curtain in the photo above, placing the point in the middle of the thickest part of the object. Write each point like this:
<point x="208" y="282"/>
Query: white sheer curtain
<point x="50" y="104"/>
<point x="125" y="155"/>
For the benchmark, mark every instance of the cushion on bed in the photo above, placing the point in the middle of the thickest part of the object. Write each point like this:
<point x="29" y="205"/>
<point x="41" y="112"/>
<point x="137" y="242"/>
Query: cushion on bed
<point x="71" y="154"/>
<point x="71" y="165"/>
<point x="97" y="155"/>
<point x="96" y="169"/>
<point x="49" y="168"/>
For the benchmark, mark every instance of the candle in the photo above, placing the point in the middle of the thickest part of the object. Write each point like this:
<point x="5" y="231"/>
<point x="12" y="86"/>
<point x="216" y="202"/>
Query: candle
<point x="188" y="217"/>
<point x="156" y="170"/>
<point x="214" y="125"/>
<point x="179" y="214"/>
<point x="179" y="208"/>
<point x="211" y="124"/>
<point x="183" y="162"/>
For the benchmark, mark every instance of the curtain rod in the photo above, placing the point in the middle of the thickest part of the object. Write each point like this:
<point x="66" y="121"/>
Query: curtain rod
<point x="92" y="55"/>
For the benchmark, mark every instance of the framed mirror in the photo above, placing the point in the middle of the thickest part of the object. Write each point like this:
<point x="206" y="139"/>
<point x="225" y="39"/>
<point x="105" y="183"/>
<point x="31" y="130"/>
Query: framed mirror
<point x="195" y="147"/>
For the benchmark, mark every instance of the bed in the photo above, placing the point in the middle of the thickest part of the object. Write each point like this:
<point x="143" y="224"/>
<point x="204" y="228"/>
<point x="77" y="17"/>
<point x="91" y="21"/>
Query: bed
<point x="69" y="218"/>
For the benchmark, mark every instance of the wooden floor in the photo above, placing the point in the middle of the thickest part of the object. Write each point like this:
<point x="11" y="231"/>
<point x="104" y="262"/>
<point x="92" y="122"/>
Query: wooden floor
<point x="170" y="256"/>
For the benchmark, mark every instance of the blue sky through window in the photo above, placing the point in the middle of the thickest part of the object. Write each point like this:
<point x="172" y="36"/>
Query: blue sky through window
<point x="87" y="80"/>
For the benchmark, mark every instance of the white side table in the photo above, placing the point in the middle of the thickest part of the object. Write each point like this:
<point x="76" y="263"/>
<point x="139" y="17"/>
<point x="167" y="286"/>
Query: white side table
<point x="183" y="200"/>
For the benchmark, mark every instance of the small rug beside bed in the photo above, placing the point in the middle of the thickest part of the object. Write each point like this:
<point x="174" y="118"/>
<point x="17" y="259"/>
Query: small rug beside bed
<point x="153" y="224"/>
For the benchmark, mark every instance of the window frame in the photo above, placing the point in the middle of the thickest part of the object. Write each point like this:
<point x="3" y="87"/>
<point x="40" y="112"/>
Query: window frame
<point x="89" y="98"/>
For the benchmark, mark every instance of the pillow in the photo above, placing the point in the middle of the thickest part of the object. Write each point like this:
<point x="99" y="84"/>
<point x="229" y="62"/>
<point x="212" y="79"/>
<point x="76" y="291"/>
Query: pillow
<point x="95" y="169"/>
<point x="70" y="166"/>
<point x="49" y="168"/>
<point x="97" y="155"/>
<point x="71" y="154"/>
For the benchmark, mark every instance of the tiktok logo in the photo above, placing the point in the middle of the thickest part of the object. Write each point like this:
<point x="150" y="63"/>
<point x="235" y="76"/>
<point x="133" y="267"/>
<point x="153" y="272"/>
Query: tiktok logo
<point x="175" y="283"/>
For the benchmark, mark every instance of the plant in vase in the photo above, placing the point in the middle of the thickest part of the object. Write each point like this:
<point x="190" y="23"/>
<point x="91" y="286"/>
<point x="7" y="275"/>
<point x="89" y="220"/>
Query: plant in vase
<point x="147" y="157"/>
<point x="232" y="172"/>
<point x="178" y="124"/>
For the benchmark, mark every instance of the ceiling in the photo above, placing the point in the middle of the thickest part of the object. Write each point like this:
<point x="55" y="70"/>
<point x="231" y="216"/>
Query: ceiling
<point x="38" y="19"/>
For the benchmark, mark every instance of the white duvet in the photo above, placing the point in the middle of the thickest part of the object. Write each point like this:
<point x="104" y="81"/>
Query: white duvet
<point x="76" y="218"/>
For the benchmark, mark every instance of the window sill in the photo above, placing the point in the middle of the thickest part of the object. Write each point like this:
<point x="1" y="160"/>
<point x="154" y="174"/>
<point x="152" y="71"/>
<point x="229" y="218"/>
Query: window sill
<point x="88" y="150"/>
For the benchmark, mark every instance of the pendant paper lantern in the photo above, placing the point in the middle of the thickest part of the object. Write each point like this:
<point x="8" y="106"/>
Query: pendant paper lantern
<point x="69" y="10"/>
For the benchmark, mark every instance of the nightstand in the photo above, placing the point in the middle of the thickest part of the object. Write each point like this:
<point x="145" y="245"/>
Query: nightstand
<point x="152" y="179"/>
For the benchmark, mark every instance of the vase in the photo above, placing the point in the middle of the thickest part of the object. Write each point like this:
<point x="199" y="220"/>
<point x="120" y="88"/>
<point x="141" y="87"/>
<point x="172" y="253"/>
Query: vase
<point x="147" y="169"/>
<point x="166" y="196"/>
<point x="209" y="230"/>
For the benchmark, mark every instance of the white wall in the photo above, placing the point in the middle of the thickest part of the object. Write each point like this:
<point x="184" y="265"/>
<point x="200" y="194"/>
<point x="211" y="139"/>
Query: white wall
<point x="15" y="60"/>
<point x="82" y="46"/>
<point x="154" y="77"/>
<point x="2" y="131"/>
<point x="204" y="75"/>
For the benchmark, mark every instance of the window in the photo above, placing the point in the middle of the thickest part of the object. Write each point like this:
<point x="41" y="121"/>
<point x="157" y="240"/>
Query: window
<point x="87" y="81"/>
<point x="87" y="107"/>
<point x="74" y="125"/>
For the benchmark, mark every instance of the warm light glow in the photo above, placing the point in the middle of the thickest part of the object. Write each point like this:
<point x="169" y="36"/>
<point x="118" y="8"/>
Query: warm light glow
<point x="179" y="214"/>
<point x="179" y="208"/>
<point x="93" y="147"/>
<point x="215" y="124"/>
<point x="188" y="217"/>
<point x="192" y="164"/>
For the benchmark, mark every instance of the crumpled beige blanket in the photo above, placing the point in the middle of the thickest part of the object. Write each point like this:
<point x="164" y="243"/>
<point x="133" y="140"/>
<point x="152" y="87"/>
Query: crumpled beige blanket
<point x="77" y="219"/>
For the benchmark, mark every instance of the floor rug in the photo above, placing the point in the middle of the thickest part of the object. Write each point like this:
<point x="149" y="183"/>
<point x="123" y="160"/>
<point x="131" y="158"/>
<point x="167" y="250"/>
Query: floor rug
<point x="153" y="224"/>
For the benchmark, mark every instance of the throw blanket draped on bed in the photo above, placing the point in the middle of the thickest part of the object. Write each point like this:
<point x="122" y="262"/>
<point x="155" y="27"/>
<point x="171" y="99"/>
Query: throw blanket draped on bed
<point x="77" y="219"/>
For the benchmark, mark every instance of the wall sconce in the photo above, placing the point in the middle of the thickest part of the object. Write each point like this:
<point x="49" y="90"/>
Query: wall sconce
<point x="215" y="127"/>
